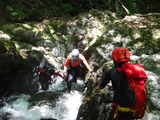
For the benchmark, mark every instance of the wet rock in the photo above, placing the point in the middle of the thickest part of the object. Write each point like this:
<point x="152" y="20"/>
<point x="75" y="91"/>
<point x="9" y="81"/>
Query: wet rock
<point x="44" y="98"/>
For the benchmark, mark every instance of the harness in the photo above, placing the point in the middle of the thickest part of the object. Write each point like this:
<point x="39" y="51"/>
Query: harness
<point x="72" y="58"/>
<point x="122" y="109"/>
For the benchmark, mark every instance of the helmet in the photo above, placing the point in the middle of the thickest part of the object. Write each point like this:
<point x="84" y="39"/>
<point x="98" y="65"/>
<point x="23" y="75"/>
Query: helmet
<point x="121" y="55"/>
<point x="75" y="53"/>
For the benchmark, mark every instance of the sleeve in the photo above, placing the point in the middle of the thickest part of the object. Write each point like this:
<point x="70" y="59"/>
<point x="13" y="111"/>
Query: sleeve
<point x="67" y="61"/>
<point x="58" y="74"/>
<point x="106" y="77"/>
<point x="66" y="64"/>
<point x="82" y="58"/>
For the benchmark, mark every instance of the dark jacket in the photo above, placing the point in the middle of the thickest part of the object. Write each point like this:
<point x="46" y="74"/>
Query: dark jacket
<point x="113" y="76"/>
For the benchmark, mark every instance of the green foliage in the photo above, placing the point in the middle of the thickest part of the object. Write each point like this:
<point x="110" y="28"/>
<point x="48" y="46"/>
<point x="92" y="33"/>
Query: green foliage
<point x="20" y="9"/>
<point x="3" y="49"/>
<point x="113" y="5"/>
<point x="131" y="6"/>
<point x="16" y="12"/>
<point x="67" y="7"/>
<point x="9" y="44"/>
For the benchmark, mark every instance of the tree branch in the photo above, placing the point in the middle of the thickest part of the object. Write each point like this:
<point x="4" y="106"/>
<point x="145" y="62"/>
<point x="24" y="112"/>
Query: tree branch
<point x="125" y="9"/>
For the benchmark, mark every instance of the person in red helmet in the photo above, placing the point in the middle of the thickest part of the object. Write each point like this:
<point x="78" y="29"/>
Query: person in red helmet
<point x="121" y="109"/>
<point x="73" y="65"/>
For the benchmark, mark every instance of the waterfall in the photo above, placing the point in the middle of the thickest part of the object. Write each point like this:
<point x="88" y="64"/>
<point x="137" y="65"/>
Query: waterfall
<point x="17" y="107"/>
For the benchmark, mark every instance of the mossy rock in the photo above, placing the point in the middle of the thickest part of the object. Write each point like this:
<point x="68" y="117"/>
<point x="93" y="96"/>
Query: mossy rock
<point x="2" y="47"/>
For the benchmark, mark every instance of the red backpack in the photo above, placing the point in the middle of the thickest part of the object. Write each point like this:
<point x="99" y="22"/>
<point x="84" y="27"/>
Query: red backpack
<point x="133" y="89"/>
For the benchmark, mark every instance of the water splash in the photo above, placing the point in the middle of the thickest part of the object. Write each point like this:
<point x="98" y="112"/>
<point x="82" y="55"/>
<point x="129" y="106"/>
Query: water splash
<point x="17" y="106"/>
<point x="68" y="105"/>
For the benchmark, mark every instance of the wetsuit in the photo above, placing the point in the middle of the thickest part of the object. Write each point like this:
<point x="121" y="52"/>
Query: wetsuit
<point x="113" y="76"/>
<point x="73" y="67"/>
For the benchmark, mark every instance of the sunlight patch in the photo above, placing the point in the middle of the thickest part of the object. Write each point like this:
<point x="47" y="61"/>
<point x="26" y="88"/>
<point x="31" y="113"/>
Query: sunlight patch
<point x="5" y="36"/>
<point x="156" y="34"/>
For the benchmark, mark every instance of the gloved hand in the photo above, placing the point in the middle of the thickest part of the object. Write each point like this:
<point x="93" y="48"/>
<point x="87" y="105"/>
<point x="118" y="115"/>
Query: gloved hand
<point x="93" y="73"/>
<point x="65" y="74"/>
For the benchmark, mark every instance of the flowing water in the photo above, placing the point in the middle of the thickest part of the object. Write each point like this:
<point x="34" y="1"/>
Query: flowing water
<point x="17" y="107"/>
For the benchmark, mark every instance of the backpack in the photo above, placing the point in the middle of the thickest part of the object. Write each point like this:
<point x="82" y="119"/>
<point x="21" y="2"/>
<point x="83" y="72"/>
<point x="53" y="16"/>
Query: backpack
<point x="132" y="89"/>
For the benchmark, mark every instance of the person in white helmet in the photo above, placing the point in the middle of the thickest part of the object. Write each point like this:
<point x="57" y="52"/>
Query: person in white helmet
<point x="72" y="67"/>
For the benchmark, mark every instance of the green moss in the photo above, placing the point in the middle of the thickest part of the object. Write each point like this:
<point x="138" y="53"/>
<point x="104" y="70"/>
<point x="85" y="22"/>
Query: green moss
<point x="151" y="65"/>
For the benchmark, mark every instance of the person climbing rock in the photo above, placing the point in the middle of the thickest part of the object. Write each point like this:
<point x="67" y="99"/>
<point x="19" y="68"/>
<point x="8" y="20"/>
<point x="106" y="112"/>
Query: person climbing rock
<point x="129" y="85"/>
<point x="73" y="65"/>
<point x="45" y="74"/>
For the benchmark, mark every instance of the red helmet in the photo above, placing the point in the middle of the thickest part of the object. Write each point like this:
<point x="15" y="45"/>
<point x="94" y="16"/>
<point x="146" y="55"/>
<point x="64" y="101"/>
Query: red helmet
<point x="121" y="55"/>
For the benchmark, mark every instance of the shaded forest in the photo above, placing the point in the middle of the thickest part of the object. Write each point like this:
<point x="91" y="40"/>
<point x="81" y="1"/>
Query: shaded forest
<point x="38" y="10"/>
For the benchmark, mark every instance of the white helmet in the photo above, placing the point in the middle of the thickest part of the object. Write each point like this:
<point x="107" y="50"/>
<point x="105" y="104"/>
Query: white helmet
<point x="75" y="53"/>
